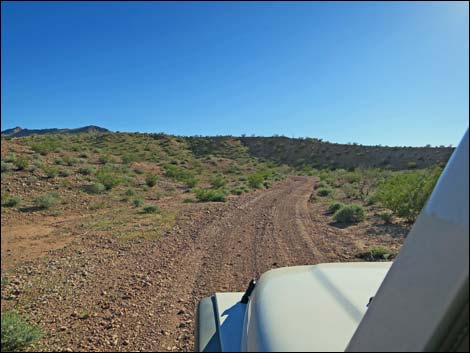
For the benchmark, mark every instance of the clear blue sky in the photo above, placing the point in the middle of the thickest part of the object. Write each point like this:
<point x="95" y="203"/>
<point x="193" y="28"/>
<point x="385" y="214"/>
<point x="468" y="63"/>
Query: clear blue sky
<point x="373" y="73"/>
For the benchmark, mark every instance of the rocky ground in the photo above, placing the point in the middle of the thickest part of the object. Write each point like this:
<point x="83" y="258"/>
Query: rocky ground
<point x="99" y="292"/>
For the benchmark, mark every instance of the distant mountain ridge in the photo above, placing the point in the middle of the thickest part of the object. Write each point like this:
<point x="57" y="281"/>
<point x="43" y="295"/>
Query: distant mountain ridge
<point x="20" y="132"/>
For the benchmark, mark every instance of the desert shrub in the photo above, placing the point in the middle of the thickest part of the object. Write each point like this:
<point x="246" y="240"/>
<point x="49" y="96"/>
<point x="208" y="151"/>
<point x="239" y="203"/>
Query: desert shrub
<point x="324" y="192"/>
<point x="350" y="191"/>
<point x="137" y="202"/>
<point x="236" y="191"/>
<point x="12" y="201"/>
<point x="5" y="167"/>
<point x="218" y="181"/>
<point x="51" y="171"/>
<point x="96" y="188"/>
<point x="180" y="174"/>
<point x="139" y="170"/>
<point x="151" y="209"/>
<point x="45" y="146"/>
<point x="70" y="161"/>
<point x="380" y="253"/>
<point x="21" y="163"/>
<point x="335" y="206"/>
<point x="151" y="180"/>
<point x="406" y="193"/>
<point x="188" y="200"/>
<point x="10" y="158"/>
<point x="128" y="158"/>
<point x="87" y="170"/>
<point x="386" y="217"/>
<point x="84" y="155"/>
<point x="59" y="161"/>
<point x="45" y="201"/>
<point x="104" y="159"/>
<point x="255" y="181"/>
<point x="38" y="164"/>
<point x="108" y="179"/>
<point x="17" y="334"/>
<point x="211" y="195"/>
<point x="376" y="254"/>
<point x="130" y="192"/>
<point x="321" y="184"/>
<point x="127" y="180"/>
<point x="349" y="214"/>
<point x="64" y="173"/>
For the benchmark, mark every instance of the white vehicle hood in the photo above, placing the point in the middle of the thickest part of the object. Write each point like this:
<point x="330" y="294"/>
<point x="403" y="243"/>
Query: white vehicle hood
<point x="309" y="308"/>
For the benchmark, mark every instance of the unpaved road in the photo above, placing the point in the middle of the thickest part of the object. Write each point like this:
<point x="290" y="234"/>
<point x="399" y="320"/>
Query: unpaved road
<point x="102" y="294"/>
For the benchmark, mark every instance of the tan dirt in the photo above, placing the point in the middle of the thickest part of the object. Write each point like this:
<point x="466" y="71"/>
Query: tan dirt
<point x="104" y="294"/>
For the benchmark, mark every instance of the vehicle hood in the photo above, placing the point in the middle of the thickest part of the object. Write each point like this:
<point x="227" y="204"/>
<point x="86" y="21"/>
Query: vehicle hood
<point x="310" y="308"/>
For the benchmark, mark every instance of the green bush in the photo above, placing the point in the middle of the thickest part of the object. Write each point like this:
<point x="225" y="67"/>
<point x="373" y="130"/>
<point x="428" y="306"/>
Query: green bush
<point x="349" y="214"/>
<point x="104" y="159"/>
<point x="21" y="163"/>
<point x="51" y="171"/>
<point x="45" y="146"/>
<point x="130" y="192"/>
<point x="324" y="192"/>
<point x="17" y="334"/>
<point x="218" y="181"/>
<point x="380" y="253"/>
<point x="376" y="254"/>
<point x="128" y="158"/>
<point x="335" y="206"/>
<point x="139" y="170"/>
<point x="406" y="193"/>
<point x="12" y="201"/>
<point x="5" y="167"/>
<point x="188" y="200"/>
<point x="180" y="174"/>
<point x="38" y="164"/>
<point x="45" y="201"/>
<point x="10" y="158"/>
<point x="151" y="209"/>
<point x="321" y="184"/>
<point x="386" y="217"/>
<point x="255" y="181"/>
<point x="64" y="173"/>
<point x="70" y="161"/>
<point x="59" y="161"/>
<point x="137" y="202"/>
<point x="151" y="180"/>
<point x="108" y="179"/>
<point x="211" y="195"/>
<point x="96" y="188"/>
<point x="236" y="191"/>
<point x="87" y="170"/>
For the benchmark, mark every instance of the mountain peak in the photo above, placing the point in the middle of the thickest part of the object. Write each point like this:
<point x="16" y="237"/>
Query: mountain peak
<point x="20" y="132"/>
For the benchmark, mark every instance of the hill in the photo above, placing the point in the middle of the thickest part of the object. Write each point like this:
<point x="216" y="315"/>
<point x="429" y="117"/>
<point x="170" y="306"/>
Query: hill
<point x="20" y="132"/>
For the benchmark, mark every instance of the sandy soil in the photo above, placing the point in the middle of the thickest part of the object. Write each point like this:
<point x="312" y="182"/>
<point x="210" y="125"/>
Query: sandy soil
<point x="102" y="293"/>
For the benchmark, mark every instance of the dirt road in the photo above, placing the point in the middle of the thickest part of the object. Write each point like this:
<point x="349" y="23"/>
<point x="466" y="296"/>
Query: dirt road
<point x="103" y="294"/>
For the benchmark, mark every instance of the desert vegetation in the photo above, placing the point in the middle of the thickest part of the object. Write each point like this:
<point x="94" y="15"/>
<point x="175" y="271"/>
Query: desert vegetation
<point x="128" y="203"/>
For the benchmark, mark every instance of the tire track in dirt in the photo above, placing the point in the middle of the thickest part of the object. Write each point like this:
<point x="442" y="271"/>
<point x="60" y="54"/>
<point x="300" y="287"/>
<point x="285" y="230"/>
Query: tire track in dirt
<point x="265" y="232"/>
<point x="155" y="285"/>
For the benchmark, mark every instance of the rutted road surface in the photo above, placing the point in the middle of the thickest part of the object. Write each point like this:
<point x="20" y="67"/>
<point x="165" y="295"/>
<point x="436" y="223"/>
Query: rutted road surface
<point x="103" y="294"/>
